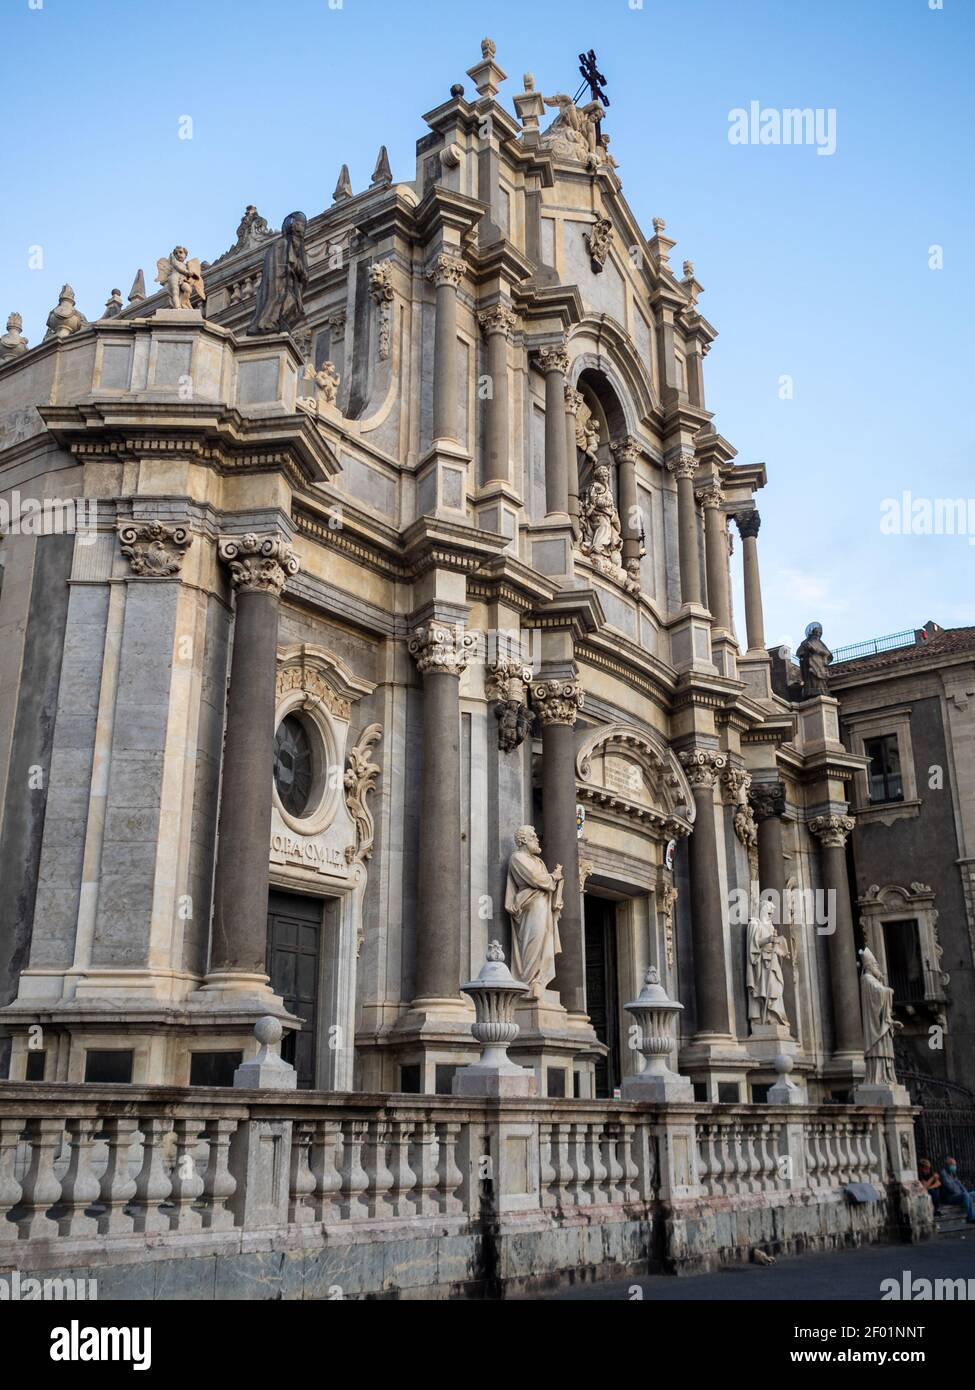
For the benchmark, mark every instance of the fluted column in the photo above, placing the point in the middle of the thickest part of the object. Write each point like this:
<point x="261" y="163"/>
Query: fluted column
<point x="554" y="363"/>
<point x="497" y="324"/>
<point x="626" y="452"/>
<point x="767" y="800"/>
<point x="748" y="524"/>
<point x="573" y="400"/>
<point x="684" y="466"/>
<point x="441" y="654"/>
<point x="558" y="703"/>
<point x="716" y="554"/>
<point x="447" y="272"/>
<point x="259" y="566"/>
<point x="832" y="832"/>
<point x="703" y="766"/>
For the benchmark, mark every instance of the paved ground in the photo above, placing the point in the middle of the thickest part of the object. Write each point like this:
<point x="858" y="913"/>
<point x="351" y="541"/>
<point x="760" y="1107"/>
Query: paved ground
<point x="843" y="1276"/>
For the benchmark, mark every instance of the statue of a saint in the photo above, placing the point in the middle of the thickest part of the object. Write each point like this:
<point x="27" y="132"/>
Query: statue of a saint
<point x="879" y="1024"/>
<point x="814" y="657"/>
<point x="533" y="901"/>
<point x="599" y="521"/>
<point x="764" y="979"/>
<point x="280" y="307"/>
<point x="573" y="132"/>
<point x="181" y="278"/>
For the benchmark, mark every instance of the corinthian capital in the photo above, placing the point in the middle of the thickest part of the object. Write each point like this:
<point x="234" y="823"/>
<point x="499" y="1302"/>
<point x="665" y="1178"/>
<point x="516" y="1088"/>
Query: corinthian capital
<point x="446" y="270"/>
<point x="625" y="450"/>
<point x="441" y="650"/>
<point x="702" y="766"/>
<point x="553" y="358"/>
<point x="498" y="319"/>
<point x="258" y="564"/>
<point x="558" y="702"/>
<point x="710" y="496"/>
<point x="832" y="831"/>
<point x="748" y="524"/>
<point x="573" y="399"/>
<point x="154" y="550"/>
<point x="684" y="465"/>
<point x="767" y="799"/>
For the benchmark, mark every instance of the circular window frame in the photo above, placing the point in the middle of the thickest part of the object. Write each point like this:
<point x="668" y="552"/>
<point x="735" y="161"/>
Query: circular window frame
<point x="323" y="799"/>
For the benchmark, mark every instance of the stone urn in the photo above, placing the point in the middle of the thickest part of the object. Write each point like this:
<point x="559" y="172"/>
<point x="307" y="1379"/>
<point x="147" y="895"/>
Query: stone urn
<point x="656" y="1015"/>
<point x="494" y="992"/>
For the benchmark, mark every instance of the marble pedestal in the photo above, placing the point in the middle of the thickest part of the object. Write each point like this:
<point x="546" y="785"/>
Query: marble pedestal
<point x="551" y="1040"/>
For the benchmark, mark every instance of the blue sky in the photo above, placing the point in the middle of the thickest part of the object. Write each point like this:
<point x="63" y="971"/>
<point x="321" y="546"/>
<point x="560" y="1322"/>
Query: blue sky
<point x="816" y="268"/>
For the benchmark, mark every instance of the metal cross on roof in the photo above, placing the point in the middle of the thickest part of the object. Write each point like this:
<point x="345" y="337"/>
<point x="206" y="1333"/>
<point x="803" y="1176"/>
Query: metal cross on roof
<point x="595" y="81"/>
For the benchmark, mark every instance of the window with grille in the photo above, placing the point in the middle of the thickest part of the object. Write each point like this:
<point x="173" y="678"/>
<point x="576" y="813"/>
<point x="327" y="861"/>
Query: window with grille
<point x="884" y="773"/>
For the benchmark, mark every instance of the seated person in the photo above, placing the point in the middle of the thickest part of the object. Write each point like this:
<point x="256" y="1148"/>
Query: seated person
<point x="930" y="1181"/>
<point x="953" y="1190"/>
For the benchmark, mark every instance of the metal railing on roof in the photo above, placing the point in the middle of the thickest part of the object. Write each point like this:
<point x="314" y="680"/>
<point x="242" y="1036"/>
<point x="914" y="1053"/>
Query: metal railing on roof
<point x="875" y="645"/>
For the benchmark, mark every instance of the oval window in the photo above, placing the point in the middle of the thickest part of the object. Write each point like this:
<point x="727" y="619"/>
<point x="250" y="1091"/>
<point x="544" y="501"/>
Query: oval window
<point x="294" y="765"/>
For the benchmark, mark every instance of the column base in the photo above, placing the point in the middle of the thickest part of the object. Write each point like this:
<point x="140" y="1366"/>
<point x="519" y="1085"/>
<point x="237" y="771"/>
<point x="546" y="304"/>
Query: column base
<point x="712" y="1060"/>
<point x="690" y="640"/>
<point x="658" y="1087"/>
<point x="434" y="1036"/>
<point x="866" y="1094"/>
<point x="559" y="1048"/>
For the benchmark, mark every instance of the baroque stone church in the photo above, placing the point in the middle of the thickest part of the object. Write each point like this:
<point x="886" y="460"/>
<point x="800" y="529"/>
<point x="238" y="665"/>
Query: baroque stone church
<point x="397" y="532"/>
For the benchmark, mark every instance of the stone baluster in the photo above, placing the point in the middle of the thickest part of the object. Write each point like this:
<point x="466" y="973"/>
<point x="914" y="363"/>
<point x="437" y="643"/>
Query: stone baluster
<point x="631" y="1173"/>
<point x="449" y="1176"/>
<point x="404" y="1178"/>
<point x="11" y="1192"/>
<point x="554" y="363"/>
<point x="684" y="467"/>
<point x="705" y="1152"/>
<point x="117" y="1187"/>
<point x="219" y="1184"/>
<point x="79" y="1186"/>
<point x="355" y="1181"/>
<point x="558" y="702"/>
<point x="579" y="1193"/>
<point x="302" y="1184"/>
<point x="547" y="1171"/>
<point x="497" y="325"/>
<point x="259" y="566"/>
<point x="187" y="1182"/>
<point x="563" y="1165"/>
<point x="612" y="1135"/>
<point x="425" y="1163"/>
<point x="381" y="1204"/>
<point x="748" y="523"/>
<point x="41" y="1187"/>
<point x="152" y="1185"/>
<point x="595" y="1161"/>
<point x="441" y="654"/>
<point x="832" y="832"/>
<point x="447" y="273"/>
<point x="711" y="499"/>
<point x="326" y="1169"/>
<point x="703" y="766"/>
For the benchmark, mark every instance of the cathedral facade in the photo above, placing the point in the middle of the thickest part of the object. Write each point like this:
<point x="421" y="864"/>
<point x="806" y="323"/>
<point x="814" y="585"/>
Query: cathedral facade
<point x="340" y="560"/>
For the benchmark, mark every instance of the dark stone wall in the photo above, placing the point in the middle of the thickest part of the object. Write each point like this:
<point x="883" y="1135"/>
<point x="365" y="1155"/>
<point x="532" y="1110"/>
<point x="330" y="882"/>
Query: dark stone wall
<point x="925" y="849"/>
<point x="33" y="738"/>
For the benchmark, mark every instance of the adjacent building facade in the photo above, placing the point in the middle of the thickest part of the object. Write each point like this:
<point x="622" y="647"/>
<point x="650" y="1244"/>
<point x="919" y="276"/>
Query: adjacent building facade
<point x="341" y="609"/>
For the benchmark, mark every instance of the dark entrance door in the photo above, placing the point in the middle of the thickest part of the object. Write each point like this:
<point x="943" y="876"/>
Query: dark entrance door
<point x="294" y="934"/>
<point x="602" y="1003"/>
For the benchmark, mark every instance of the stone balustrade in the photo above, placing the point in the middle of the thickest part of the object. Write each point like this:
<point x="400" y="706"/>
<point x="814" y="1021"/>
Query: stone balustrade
<point x="101" y="1178"/>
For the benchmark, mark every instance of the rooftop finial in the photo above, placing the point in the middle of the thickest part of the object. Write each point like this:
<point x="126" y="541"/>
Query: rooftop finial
<point x="382" y="174"/>
<point x="343" y="189"/>
<point x="138" y="291"/>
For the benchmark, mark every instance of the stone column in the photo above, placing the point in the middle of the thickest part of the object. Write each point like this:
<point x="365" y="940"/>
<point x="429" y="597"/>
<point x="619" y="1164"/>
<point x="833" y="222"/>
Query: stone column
<point x="703" y="766"/>
<point x="626" y="452"/>
<point x="558" y="702"/>
<point x="446" y="273"/>
<point x="497" y="324"/>
<point x="441" y="654"/>
<point x="767" y="800"/>
<point x="748" y="524"/>
<point x="259" y="566"/>
<point x="554" y="363"/>
<point x="685" y="466"/>
<point x="832" y="832"/>
<point x="573" y="400"/>
<point x="716" y="555"/>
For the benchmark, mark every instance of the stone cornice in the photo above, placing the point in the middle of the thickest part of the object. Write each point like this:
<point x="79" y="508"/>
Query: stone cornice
<point x="506" y="579"/>
<point x="442" y="208"/>
<point x="576" y="609"/>
<point x="434" y="544"/>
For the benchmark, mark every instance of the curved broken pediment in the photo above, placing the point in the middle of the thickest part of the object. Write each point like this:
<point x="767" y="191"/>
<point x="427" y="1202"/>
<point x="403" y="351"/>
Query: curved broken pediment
<point x="624" y="771"/>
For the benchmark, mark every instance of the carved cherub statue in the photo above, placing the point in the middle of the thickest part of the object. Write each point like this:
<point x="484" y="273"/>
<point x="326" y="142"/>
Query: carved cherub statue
<point x="181" y="278"/>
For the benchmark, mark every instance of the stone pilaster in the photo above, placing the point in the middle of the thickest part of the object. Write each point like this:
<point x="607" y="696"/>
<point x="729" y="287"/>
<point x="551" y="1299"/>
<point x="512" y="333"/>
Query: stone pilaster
<point x="748" y="523"/>
<point x="626" y="452"/>
<point x="447" y="272"/>
<point x="557" y="702"/>
<point x="553" y="361"/>
<point x="832" y="832"/>
<point x="259" y="567"/>
<point x="441" y="653"/>
<point x="703" y="766"/>
<point x="684" y="467"/>
<point x="573" y="400"/>
<point x="497" y="324"/>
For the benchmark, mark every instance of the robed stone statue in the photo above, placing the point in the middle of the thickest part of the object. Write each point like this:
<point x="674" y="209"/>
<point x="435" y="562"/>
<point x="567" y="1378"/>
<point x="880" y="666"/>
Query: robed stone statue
<point x="879" y="1024"/>
<point x="533" y="901"/>
<point x="280" y="306"/>
<point x="814" y="658"/>
<point x="764" y="979"/>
